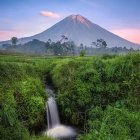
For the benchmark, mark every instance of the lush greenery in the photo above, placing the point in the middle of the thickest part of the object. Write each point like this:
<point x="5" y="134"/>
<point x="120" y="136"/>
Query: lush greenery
<point x="99" y="95"/>
<point x="22" y="98"/>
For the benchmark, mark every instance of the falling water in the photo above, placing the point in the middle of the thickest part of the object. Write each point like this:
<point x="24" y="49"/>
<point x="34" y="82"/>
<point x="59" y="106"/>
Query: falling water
<point x="55" y="129"/>
<point x="52" y="113"/>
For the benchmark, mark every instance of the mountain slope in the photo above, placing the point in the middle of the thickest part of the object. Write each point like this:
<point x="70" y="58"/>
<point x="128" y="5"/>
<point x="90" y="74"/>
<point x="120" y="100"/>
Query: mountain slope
<point x="80" y="30"/>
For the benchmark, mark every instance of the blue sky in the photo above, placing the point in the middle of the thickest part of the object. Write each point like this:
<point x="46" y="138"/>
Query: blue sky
<point x="27" y="17"/>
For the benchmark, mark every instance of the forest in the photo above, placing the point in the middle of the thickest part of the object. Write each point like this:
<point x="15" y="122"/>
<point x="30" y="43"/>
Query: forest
<point x="98" y="95"/>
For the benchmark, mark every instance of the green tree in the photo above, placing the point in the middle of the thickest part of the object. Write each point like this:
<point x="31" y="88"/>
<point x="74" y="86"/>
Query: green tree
<point x="100" y="43"/>
<point x="64" y="38"/>
<point x="82" y="53"/>
<point x="14" y="41"/>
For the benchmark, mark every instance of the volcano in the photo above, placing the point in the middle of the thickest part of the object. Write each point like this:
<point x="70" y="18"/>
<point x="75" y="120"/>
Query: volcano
<point x="80" y="30"/>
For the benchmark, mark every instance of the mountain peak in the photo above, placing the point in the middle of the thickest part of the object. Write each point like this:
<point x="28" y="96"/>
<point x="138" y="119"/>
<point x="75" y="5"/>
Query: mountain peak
<point x="80" y="19"/>
<point x="77" y="17"/>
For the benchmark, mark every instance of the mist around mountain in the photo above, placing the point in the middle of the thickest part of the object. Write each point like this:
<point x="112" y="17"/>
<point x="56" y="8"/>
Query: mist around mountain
<point x="75" y="31"/>
<point x="37" y="47"/>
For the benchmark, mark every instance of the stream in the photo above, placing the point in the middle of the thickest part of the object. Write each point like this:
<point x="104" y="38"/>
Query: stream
<point x="54" y="128"/>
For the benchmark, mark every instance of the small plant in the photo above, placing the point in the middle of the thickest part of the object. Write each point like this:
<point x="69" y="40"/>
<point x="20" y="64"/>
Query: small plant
<point x="82" y="53"/>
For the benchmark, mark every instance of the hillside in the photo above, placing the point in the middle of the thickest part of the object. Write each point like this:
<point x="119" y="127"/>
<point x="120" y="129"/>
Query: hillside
<point x="97" y="95"/>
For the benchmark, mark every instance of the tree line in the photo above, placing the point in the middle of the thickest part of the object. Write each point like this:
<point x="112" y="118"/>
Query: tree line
<point x="66" y="47"/>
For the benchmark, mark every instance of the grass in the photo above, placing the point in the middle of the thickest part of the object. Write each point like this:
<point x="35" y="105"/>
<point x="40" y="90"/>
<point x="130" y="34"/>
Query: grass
<point x="99" y="95"/>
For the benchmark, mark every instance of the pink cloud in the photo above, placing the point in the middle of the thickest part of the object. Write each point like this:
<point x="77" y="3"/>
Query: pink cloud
<point x="50" y="14"/>
<point x="132" y="35"/>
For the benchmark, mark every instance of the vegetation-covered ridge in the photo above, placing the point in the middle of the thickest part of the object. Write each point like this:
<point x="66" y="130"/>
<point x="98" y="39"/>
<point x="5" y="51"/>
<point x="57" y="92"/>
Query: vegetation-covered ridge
<point x="99" y="95"/>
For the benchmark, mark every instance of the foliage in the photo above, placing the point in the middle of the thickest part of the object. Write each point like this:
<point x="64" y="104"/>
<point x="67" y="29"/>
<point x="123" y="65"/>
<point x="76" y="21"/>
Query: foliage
<point x="112" y="123"/>
<point x="22" y="99"/>
<point x="99" y="95"/>
<point x="14" y="41"/>
<point x="98" y="82"/>
<point x="59" y="48"/>
<point x="82" y="53"/>
<point x="100" y="43"/>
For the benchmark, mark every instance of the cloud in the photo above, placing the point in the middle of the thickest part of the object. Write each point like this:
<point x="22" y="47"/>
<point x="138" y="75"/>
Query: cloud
<point x="132" y="35"/>
<point x="50" y="14"/>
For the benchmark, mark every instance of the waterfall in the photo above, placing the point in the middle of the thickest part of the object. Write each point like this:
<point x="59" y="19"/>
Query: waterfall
<point x="52" y="113"/>
<point x="55" y="129"/>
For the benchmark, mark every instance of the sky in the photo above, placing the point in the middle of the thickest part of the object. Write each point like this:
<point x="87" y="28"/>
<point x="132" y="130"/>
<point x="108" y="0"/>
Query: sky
<point x="22" y="18"/>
